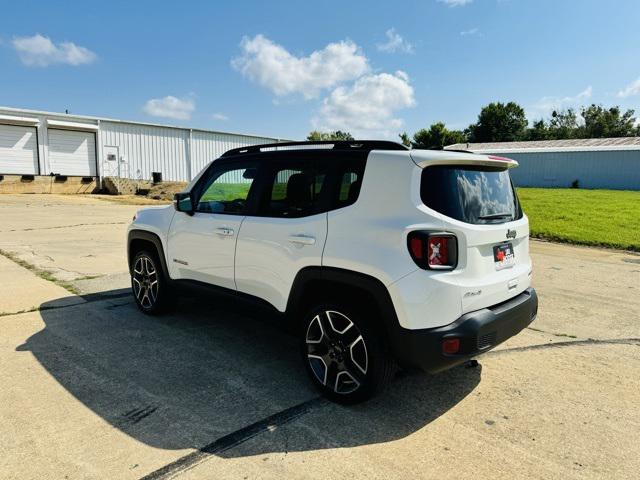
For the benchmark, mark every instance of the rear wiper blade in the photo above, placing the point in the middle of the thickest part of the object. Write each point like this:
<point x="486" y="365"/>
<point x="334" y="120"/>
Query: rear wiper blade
<point x="494" y="216"/>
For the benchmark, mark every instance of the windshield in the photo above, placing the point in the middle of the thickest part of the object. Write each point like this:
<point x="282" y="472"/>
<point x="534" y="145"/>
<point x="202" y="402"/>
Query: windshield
<point x="470" y="194"/>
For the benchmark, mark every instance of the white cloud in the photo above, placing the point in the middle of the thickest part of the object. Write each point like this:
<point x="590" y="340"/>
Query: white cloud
<point x="630" y="90"/>
<point x="471" y="32"/>
<point x="170" y="107"/>
<point x="368" y="107"/>
<point x="273" y="67"/>
<point x="220" y="116"/>
<point x="456" y="3"/>
<point x="395" y="43"/>
<point x="40" y="51"/>
<point x="546" y="104"/>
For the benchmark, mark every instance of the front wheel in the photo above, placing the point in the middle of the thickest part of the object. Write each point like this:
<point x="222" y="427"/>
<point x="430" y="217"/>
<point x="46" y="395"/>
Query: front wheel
<point x="148" y="283"/>
<point x="343" y="354"/>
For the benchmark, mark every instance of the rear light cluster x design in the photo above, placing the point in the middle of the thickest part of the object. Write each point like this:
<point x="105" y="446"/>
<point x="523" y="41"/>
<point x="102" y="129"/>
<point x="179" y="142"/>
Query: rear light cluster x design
<point x="433" y="251"/>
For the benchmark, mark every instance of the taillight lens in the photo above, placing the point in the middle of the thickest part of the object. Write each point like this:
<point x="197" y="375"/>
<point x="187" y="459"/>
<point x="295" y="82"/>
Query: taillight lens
<point x="434" y="251"/>
<point x="450" y="346"/>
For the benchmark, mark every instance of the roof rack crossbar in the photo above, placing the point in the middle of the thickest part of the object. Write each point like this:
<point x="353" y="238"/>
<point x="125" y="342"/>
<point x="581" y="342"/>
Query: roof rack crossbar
<point x="365" y="145"/>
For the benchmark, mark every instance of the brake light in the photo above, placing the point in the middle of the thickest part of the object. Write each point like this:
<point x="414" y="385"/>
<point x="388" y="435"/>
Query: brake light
<point x="415" y="245"/>
<point x="435" y="251"/>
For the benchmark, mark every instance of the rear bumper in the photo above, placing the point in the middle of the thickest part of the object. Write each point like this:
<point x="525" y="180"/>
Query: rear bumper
<point x="478" y="332"/>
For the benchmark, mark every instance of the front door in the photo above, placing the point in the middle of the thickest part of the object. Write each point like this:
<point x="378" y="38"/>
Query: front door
<point x="202" y="246"/>
<point x="110" y="162"/>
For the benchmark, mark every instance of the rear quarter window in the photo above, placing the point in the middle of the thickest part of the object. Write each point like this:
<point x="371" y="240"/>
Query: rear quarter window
<point x="477" y="195"/>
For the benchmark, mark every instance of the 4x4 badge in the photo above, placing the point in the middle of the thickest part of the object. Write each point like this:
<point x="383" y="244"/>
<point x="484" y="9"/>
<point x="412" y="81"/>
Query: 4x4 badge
<point x="511" y="234"/>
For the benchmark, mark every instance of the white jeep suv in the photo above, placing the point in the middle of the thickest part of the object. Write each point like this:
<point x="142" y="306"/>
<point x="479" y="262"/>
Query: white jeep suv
<point x="380" y="255"/>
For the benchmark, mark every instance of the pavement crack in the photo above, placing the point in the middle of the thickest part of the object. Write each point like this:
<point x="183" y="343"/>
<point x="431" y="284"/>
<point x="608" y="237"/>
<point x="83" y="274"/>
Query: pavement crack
<point x="269" y="424"/>
<point x="563" y="335"/>
<point x="576" y="343"/>
<point x="89" y="298"/>
<point x="40" y="272"/>
<point x="138" y="414"/>
<point x="63" y="226"/>
<point x="28" y="310"/>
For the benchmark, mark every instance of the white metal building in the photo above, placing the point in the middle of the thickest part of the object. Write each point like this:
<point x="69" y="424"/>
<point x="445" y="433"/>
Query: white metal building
<point x="45" y="143"/>
<point x="611" y="163"/>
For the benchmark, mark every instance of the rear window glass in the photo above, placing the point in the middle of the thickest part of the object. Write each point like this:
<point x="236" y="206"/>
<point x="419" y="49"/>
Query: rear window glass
<point x="471" y="194"/>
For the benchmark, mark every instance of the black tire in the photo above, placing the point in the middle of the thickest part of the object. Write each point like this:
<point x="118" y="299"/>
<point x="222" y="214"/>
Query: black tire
<point x="149" y="284"/>
<point x="339" y="338"/>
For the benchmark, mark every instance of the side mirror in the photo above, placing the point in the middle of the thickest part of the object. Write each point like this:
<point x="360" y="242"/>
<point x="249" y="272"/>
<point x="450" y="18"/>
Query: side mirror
<point x="182" y="202"/>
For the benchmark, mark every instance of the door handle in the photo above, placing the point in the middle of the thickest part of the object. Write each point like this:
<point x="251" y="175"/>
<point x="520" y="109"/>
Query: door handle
<point x="224" y="231"/>
<point x="302" y="239"/>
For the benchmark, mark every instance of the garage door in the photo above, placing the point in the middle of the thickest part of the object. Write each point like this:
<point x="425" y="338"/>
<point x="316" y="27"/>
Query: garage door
<point x="18" y="150"/>
<point x="72" y="152"/>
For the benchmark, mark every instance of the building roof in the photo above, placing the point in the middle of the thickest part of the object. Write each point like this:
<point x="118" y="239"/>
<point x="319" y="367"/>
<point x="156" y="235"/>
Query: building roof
<point x="574" y="145"/>
<point x="23" y="111"/>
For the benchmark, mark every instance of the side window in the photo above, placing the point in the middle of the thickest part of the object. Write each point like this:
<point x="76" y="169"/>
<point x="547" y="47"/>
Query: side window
<point x="350" y="181"/>
<point x="294" y="190"/>
<point x="349" y="188"/>
<point x="227" y="190"/>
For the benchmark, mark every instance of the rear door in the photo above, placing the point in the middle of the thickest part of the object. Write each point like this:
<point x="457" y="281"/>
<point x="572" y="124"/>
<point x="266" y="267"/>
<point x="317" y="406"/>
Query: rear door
<point x="480" y="205"/>
<point x="202" y="246"/>
<point x="288" y="231"/>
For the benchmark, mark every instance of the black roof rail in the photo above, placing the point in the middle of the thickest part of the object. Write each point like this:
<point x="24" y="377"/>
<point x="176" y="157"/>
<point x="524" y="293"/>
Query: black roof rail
<point x="362" y="145"/>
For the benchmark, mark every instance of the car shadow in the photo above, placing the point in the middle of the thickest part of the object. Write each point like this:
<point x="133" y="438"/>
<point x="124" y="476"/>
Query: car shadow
<point x="212" y="367"/>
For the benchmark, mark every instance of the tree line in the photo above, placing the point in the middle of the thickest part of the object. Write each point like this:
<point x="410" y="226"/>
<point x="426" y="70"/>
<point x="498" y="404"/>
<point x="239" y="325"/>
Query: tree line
<point x="507" y="122"/>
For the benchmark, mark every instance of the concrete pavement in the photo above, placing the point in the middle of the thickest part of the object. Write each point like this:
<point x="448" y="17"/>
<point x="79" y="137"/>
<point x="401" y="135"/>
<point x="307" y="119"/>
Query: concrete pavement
<point x="216" y="390"/>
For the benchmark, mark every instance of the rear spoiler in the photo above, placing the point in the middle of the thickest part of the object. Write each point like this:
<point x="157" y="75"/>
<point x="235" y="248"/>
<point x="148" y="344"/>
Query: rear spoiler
<point x="426" y="158"/>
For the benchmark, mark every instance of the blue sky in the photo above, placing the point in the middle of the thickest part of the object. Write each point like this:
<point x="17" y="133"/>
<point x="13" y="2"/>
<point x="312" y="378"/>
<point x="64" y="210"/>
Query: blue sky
<point x="285" y="68"/>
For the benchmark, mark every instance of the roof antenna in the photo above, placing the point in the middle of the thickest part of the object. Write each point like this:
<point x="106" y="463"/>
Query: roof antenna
<point x="66" y="111"/>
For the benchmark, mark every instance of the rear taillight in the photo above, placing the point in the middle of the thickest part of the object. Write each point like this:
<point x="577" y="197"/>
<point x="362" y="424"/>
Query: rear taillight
<point x="435" y="251"/>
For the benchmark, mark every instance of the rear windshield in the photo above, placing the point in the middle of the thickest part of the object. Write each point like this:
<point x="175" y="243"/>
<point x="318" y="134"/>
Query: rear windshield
<point x="471" y="194"/>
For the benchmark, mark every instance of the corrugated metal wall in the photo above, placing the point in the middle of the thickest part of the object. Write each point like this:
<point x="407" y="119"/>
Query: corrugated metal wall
<point x="207" y="146"/>
<point x="148" y="148"/>
<point x="617" y="170"/>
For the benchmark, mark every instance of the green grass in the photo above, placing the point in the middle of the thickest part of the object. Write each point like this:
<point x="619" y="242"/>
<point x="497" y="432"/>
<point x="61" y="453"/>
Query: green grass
<point x="226" y="192"/>
<point x="233" y="191"/>
<point x="605" y="218"/>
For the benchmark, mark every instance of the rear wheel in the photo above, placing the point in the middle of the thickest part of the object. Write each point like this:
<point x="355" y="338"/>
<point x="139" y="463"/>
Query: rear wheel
<point x="148" y="283"/>
<point x="343" y="354"/>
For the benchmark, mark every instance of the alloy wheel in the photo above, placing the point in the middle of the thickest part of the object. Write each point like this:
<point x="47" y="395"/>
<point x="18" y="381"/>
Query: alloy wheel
<point x="145" y="282"/>
<point x="337" y="352"/>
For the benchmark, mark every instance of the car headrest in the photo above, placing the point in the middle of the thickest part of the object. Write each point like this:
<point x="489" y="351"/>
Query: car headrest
<point x="299" y="188"/>
<point x="354" y="189"/>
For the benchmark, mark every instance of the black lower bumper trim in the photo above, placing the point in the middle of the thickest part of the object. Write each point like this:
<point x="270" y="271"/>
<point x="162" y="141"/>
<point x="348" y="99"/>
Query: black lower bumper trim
<point x="477" y="331"/>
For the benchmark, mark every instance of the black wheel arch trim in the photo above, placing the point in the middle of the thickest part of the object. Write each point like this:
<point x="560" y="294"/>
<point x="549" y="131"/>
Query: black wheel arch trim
<point x="151" y="238"/>
<point x="373" y="286"/>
